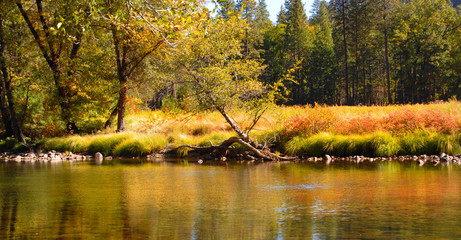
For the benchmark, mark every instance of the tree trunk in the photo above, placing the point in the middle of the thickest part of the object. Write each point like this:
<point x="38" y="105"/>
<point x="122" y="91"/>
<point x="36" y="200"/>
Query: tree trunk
<point x="53" y="59"/>
<point x="121" y="107"/>
<point x="109" y="121"/>
<point x="122" y="71"/>
<point x="346" y="67"/>
<point x="386" y="58"/>
<point x="7" y="106"/>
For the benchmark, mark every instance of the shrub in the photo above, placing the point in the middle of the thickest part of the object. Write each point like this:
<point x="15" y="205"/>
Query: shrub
<point x="407" y="120"/>
<point x="316" y="120"/>
<point x="7" y="144"/>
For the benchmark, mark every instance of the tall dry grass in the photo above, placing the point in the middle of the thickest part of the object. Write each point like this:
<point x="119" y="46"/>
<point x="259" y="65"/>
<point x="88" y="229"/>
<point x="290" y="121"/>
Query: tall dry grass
<point x="313" y="130"/>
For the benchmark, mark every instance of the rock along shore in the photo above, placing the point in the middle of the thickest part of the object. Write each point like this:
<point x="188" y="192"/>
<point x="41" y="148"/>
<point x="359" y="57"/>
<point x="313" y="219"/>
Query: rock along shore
<point x="53" y="156"/>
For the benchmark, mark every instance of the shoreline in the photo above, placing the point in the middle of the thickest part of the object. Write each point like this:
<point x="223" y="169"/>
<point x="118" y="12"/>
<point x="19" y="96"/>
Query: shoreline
<point x="53" y="156"/>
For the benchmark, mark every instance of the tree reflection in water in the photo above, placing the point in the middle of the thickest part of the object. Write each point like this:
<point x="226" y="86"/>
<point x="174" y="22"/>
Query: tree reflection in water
<point x="263" y="201"/>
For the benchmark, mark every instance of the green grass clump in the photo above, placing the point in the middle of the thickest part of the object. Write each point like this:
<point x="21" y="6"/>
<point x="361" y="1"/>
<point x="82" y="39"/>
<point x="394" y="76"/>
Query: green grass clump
<point x="420" y="142"/>
<point x="105" y="144"/>
<point x="182" y="152"/>
<point x="140" y="146"/>
<point x="377" y="144"/>
<point x="450" y="145"/>
<point x="384" y="144"/>
<point x="75" y="144"/>
<point x="312" y="146"/>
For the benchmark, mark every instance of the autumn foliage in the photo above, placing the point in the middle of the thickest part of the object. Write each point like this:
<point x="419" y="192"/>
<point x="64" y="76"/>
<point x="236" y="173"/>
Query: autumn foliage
<point x="399" y="120"/>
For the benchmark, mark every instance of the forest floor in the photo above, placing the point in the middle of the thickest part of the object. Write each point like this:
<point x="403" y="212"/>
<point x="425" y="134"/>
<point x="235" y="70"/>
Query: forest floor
<point x="422" y="132"/>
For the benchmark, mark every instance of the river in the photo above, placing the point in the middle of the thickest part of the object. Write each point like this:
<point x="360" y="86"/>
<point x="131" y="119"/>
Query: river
<point x="181" y="200"/>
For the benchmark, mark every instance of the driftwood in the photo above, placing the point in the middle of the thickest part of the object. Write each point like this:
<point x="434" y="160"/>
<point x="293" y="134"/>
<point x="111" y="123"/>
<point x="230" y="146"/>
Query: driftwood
<point x="254" y="152"/>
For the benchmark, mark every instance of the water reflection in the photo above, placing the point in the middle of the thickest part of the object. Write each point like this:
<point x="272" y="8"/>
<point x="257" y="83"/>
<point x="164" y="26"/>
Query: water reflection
<point x="264" y="201"/>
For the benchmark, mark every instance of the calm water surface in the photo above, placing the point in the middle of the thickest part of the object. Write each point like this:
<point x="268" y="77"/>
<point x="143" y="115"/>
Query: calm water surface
<point x="263" y="201"/>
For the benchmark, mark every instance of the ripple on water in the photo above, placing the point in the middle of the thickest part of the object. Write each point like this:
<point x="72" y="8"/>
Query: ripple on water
<point x="293" y="187"/>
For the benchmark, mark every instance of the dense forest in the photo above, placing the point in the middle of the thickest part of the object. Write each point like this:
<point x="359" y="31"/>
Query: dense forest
<point x="76" y="66"/>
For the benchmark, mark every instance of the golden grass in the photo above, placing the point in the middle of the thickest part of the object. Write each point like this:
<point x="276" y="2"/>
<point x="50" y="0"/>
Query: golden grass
<point x="328" y="129"/>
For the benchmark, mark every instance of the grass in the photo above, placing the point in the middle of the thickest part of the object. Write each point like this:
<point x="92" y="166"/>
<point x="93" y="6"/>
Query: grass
<point x="379" y="144"/>
<point x="298" y="130"/>
<point x="140" y="146"/>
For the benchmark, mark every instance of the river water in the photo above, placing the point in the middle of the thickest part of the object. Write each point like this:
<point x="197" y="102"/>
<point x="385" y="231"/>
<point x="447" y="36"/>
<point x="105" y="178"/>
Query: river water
<point x="183" y="200"/>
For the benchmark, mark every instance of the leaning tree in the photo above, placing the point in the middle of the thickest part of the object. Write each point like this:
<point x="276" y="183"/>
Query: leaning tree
<point x="222" y="79"/>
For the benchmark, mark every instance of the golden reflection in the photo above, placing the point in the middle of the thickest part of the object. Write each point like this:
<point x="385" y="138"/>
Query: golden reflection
<point x="262" y="201"/>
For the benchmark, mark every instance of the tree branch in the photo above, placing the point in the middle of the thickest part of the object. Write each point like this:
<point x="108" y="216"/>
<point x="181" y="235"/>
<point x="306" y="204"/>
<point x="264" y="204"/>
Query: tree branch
<point x="156" y="46"/>
<point x="35" y="34"/>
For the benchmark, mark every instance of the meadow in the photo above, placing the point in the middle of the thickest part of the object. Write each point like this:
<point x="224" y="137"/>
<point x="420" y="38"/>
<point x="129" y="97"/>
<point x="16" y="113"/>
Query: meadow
<point x="296" y="130"/>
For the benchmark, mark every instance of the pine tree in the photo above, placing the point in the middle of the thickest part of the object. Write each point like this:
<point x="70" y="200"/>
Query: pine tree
<point x="281" y="16"/>
<point x="227" y="8"/>
<point x="262" y="15"/>
<point x="322" y="67"/>
<point x="296" y="44"/>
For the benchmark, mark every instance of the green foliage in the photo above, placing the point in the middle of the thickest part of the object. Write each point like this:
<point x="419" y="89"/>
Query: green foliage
<point x="8" y="144"/>
<point x="450" y="145"/>
<point x="421" y="142"/>
<point x="384" y="144"/>
<point x="312" y="146"/>
<point x="171" y="104"/>
<point x="182" y="152"/>
<point x="76" y="144"/>
<point x="379" y="144"/>
<point x="140" y="146"/>
<point x="106" y="144"/>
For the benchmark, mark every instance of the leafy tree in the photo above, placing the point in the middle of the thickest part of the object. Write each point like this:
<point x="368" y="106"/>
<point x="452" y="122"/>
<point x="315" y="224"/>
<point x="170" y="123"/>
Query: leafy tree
<point x="140" y="29"/>
<point x="222" y="79"/>
<point x="58" y="30"/>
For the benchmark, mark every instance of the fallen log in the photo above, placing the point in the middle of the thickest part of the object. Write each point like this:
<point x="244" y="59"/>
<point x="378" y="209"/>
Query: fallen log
<point x="226" y="147"/>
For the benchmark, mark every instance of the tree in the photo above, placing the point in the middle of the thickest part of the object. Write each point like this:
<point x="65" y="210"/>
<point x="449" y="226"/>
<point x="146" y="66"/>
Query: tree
<point x="422" y="44"/>
<point x="281" y="16"/>
<point x="341" y="26"/>
<point x="139" y="30"/>
<point x="222" y="79"/>
<point x="322" y="65"/>
<point x="58" y="31"/>
<point x="7" y="103"/>
<point x="227" y="8"/>
<point x="297" y="41"/>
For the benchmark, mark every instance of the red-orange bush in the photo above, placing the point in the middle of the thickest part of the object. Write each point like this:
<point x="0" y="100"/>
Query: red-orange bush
<point x="320" y="119"/>
<point x="401" y="120"/>
<point x="365" y="123"/>
<point x="408" y="120"/>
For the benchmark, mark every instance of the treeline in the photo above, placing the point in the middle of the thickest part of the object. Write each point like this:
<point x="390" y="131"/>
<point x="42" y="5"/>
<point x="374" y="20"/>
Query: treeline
<point x="352" y="52"/>
<point x="76" y="66"/>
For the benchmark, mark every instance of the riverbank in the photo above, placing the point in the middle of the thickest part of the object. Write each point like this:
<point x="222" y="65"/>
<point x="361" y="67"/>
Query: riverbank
<point x="98" y="158"/>
<point x="306" y="132"/>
